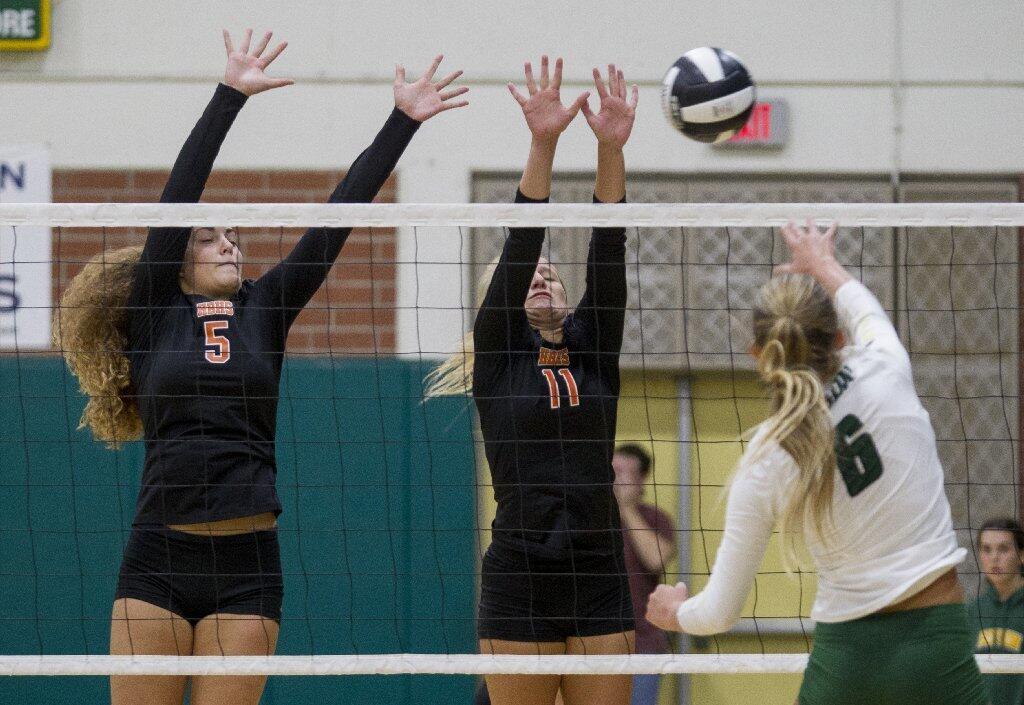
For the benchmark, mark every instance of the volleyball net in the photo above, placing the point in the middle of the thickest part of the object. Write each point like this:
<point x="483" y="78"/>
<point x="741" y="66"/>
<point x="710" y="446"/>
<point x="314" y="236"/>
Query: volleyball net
<point x="387" y="497"/>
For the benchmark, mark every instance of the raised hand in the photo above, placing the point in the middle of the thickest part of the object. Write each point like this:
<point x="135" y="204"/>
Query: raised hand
<point x="809" y="248"/>
<point x="545" y="115"/>
<point x="246" y="67"/>
<point x="424" y="99"/>
<point x="613" y="122"/>
<point x="812" y="252"/>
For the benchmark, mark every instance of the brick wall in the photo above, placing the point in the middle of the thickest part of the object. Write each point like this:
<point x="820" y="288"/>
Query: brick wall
<point x="352" y="314"/>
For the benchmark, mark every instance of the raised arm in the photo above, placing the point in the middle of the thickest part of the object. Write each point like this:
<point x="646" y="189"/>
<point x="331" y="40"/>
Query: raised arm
<point x="860" y="314"/>
<point x="298" y="276"/>
<point x="749" y="518"/>
<point x="603" y="305"/>
<point x="156" y="277"/>
<point x="501" y="323"/>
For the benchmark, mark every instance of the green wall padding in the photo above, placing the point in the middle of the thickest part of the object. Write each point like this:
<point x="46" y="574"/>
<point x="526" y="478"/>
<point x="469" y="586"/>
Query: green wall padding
<point x="378" y="534"/>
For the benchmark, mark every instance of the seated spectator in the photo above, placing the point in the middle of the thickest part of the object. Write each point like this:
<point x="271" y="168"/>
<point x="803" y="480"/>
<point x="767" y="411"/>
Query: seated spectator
<point x="998" y="612"/>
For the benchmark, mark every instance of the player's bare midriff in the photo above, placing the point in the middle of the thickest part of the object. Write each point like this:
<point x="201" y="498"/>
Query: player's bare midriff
<point x="229" y="527"/>
<point x="944" y="590"/>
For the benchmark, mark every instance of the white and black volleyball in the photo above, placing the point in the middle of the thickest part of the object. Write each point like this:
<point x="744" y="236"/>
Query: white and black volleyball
<point x="708" y="94"/>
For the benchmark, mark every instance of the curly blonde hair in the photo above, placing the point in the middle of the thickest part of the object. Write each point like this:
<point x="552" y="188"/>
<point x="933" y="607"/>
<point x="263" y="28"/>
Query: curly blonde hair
<point x="91" y="331"/>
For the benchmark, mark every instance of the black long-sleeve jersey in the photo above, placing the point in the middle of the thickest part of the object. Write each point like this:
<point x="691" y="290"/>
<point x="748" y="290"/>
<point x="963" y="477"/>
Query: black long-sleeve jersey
<point x="548" y="411"/>
<point x="206" y="373"/>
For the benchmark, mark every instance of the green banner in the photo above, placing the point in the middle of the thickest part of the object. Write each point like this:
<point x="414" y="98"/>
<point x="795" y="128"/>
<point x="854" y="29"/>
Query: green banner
<point x="24" y="25"/>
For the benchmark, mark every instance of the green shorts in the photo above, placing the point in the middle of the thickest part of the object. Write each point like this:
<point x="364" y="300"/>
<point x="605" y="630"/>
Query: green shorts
<point x="916" y="657"/>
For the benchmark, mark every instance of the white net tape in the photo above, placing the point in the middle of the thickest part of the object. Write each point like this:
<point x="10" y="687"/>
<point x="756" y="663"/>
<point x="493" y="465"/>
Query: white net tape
<point x="514" y="215"/>
<point x="404" y="664"/>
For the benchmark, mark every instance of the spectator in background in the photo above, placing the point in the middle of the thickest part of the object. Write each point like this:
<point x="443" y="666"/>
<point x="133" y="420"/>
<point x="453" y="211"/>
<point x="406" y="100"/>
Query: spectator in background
<point x="649" y="542"/>
<point x="998" y="613"/>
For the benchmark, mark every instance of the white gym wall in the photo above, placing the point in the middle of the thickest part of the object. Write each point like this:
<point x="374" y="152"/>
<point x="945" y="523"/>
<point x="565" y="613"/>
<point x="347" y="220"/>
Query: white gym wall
<point x="124" y="80"/>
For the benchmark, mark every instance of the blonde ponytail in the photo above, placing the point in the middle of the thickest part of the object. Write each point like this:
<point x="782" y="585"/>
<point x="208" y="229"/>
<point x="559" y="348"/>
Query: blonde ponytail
<point x="795" y="327"/>
<point x="454" y="376"/>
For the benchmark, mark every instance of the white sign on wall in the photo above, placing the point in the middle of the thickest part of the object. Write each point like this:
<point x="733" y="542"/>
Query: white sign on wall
<point x="25" y="268"/>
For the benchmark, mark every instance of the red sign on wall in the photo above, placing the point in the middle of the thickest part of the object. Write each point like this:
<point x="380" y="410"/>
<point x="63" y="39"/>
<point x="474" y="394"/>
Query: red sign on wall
<point x="768" y="126"/>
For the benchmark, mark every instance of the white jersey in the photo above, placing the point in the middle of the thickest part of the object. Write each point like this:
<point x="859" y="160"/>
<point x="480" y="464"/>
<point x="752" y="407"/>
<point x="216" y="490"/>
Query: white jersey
<point x="892" y="533"/>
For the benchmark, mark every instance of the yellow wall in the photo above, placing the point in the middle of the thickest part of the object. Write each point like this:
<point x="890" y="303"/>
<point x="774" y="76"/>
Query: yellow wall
<point x="725" y="405"/>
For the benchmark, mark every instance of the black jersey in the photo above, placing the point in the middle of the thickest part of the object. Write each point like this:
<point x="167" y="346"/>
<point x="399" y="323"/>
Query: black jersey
<point x="547" y="411"/>
<point x="206" y="373"/>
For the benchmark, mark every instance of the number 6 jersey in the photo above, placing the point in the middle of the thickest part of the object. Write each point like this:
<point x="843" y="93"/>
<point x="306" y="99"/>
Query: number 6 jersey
<point x="891" y="533"/>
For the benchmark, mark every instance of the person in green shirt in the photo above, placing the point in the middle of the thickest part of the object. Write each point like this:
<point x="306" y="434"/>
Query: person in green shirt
<point x="998" y="613"/>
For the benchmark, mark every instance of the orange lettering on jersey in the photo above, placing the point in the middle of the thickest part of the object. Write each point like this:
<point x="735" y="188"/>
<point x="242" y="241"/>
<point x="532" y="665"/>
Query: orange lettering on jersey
<point x="214" y="308"/>
<point x="553" y="395"/>
<point x="221" y="351"/>
<point x="570" y="383"/>
<point x="553" y="358"/>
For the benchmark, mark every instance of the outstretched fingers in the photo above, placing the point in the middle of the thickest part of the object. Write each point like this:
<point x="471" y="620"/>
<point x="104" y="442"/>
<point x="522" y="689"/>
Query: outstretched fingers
<point x="229" y="46"/>
<point x="520" y="98"/>
<point x="399" y="74"/>
<point x="274" y="53"/>
<point x="587" y="112"/>
<point x="262" y="44"/>
<point x="556" y="81"/>
<point x="429" y="75"/>
<point x="454" y="92"/>
<point x="531" y="85"/>
<point x="791" y="233"/>
<point x="245" y="42"/>
<point x="448" y="79"/>
<point x="578" y="104"/>
<point x="278" y="82"/>
<point x="602" y="92"/>
<point x="830" y="233"/>
<point x="449" y="105"/>
<point x="545" y="79"/>
<point x="635" y="98"/>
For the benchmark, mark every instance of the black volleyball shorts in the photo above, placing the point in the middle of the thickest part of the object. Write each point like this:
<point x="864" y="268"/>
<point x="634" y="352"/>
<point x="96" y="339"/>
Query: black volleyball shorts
<point x="196" y="576"/>
<point x="528" y="598"/>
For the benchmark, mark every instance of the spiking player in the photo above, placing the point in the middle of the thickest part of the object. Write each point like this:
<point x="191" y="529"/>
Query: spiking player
<point x="849" y="459"/>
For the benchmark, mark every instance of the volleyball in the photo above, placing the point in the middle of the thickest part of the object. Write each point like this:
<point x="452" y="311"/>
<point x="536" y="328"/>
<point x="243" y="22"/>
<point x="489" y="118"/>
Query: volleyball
<point x="708" y="94"/>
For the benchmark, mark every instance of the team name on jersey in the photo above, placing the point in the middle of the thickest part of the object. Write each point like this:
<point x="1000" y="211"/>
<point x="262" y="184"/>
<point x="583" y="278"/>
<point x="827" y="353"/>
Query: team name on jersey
<point x="838" y="385"/>
<point x="553" y="358"/>
<point x="999" y="638"/>
<point x="214" y="308"/>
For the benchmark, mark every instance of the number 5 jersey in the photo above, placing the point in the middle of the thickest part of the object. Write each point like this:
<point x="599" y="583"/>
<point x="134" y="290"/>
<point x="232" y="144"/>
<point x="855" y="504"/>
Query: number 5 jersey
<point x="892" y="532"/>
<point x="205" y="373"/>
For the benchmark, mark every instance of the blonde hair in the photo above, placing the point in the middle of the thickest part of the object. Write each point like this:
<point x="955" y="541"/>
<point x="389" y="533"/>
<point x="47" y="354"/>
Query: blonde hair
<point x="795" y="326"/>
<point x="454" y="376"/>
<point x="90" y="330"/>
